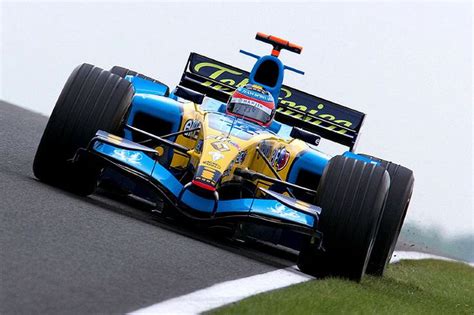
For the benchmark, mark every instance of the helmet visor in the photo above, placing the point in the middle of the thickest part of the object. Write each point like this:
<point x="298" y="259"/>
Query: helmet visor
<point x="250" y="109"/>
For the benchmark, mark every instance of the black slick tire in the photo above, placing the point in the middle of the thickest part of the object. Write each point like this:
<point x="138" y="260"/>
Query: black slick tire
<point x="351" y="194"/>
<point x="91" y="99"/>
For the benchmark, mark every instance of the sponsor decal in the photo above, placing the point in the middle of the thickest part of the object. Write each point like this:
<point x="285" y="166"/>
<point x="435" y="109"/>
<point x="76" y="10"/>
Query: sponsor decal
<point x="257" y="94"/>
<point x="212" y="164"/>
<point x="191" y="124"/>
<point x="296" y="111"/>
<point x="240" y="158"/>
<point x="280" y="158"/>
<point x="223" y="74"/>
<point x="207" y="175"/>
<point x="256" y="87"/>
<point x="216" y="156"/>
<point x="223" y="139"/>
<point x="220" y="146"/>
<point x="252" y="103"/>
<point x="284" y="212"/>
<point x="130" y="157"/>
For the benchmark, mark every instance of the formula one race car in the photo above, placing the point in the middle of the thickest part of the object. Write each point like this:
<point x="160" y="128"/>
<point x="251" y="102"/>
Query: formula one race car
<point x="232" y="149"/>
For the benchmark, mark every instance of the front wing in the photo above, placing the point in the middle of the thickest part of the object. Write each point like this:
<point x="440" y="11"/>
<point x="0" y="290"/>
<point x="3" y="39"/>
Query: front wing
<point x="137" y="160"/>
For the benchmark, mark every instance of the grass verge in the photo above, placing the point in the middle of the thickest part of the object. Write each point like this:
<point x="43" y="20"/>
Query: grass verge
<point x="409" y="287"/>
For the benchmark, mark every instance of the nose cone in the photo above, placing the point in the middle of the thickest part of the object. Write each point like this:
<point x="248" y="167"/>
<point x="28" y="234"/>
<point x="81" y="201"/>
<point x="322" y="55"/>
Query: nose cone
<point x="218" y="154"/>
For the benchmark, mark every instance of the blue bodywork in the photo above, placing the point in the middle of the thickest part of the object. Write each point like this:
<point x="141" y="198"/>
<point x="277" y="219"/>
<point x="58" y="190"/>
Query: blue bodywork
<point x="275" y="89"/>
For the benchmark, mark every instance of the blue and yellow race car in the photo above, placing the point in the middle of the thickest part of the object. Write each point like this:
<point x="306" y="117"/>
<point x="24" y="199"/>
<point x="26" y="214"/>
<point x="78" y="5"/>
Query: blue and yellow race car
<point x="234" y="149"/>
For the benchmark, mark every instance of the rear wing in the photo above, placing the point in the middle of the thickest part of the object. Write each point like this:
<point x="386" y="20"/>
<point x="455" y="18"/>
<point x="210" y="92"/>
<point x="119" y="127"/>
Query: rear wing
<point x="295" y="108"/>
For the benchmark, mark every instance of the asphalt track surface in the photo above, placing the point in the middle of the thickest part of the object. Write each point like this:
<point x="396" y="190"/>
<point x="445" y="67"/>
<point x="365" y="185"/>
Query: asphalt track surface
<point x="60" y="253"/>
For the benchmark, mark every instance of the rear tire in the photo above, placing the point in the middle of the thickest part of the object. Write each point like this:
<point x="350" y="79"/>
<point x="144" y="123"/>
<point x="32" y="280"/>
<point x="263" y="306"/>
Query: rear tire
<point x="123" y="72"/>
<point x="398" y="200"/>
<point x="351" y="194"/>
<point x="91" y="99"/>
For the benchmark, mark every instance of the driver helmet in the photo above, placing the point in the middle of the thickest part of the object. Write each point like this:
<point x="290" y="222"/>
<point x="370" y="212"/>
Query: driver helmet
<point x="253" y="103"/>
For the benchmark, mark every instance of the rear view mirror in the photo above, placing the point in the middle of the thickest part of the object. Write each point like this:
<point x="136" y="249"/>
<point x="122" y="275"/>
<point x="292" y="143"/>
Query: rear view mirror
<point x="304" y="135"/>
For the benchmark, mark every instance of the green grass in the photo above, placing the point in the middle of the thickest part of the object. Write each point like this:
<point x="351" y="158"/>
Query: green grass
<point x="409" y="287"/>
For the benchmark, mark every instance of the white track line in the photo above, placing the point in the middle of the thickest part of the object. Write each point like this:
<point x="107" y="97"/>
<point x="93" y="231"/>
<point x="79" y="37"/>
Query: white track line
<point x="402" y="255"/>
<point x="226" y="292"/>
<point x="231" y="291"/>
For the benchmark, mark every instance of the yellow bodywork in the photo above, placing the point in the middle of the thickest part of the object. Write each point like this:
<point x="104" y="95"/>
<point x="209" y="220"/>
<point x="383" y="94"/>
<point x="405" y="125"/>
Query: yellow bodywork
<point x="222" y="152"/>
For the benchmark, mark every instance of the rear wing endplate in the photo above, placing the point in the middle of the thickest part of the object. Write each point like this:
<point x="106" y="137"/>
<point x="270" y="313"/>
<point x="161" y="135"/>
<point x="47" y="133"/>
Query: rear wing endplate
<point x="331" y="121"/>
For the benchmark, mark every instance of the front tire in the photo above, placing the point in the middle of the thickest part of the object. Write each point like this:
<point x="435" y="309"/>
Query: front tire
<point x="351" y="194"/>
<point x="91" y="99"/>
